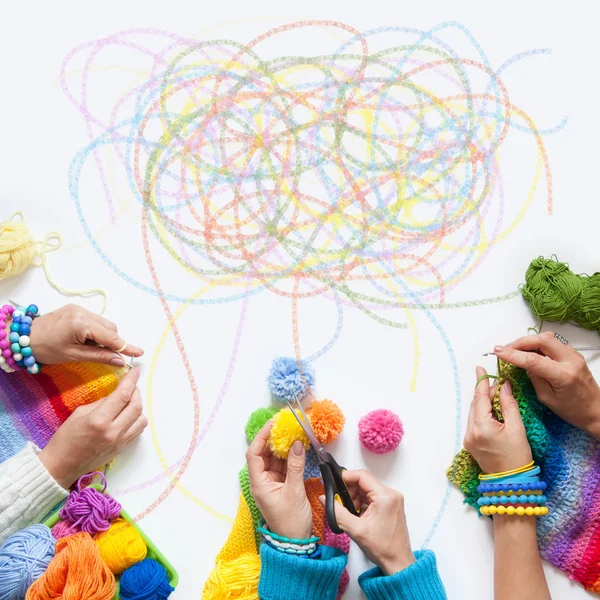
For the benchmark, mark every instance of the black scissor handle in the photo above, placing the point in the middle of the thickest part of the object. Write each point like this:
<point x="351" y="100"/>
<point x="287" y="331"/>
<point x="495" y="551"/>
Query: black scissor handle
<point x="335" y="489"/>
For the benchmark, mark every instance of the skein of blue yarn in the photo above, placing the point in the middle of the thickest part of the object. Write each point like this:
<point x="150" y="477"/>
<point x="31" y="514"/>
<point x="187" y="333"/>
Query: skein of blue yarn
<point x="146" y="580"/>
<point x="24" y="557"/>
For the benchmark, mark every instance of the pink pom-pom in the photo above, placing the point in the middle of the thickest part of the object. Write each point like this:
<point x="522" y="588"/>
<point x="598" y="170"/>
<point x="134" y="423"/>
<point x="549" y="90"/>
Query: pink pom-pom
<point x="63" y="529"/>
<point x="380" y="431"/>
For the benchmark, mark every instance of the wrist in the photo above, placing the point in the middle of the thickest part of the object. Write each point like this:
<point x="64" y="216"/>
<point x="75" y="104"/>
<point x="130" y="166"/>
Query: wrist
<point x="398" y="563"/>
<point x="56" y="468"/>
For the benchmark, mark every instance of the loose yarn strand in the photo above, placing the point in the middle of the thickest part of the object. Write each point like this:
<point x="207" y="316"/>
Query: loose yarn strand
<point x="19" y="250"/>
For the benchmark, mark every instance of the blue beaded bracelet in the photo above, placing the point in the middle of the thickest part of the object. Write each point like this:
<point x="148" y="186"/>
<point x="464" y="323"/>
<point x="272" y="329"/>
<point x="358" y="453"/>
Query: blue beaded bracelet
<point x="20" y="329"/>
<point x="514" y="486"/>
<point x="513" y="499"/>
<point x="261" y="529"/>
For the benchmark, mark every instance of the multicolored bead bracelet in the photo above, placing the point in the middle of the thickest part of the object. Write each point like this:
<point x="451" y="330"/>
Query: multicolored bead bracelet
<point x="16" y="349"/>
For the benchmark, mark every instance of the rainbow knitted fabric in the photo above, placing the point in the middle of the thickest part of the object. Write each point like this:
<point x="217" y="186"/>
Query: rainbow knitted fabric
<point x="32" y="407"/>
<point x="569" y="536"/>
<point x="237" y="570"/>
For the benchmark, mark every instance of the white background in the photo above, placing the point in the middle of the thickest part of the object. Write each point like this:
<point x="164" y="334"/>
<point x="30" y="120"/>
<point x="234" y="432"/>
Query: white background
<point x="369" y="366"/>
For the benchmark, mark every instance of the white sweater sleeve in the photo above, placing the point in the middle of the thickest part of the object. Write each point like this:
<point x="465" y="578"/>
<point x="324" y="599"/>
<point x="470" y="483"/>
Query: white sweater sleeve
<point x="27" y="491"/>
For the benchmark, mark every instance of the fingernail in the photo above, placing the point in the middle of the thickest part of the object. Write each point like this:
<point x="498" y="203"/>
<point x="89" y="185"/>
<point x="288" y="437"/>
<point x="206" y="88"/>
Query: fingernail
<point x="498" y="348"/>
<point x="117" y="362"/>
<point x="507" y="387"/>
<point x="298" y="448"/>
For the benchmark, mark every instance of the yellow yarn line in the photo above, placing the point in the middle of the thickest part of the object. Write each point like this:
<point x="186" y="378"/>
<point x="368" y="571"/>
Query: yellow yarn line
<point x="150" y="410"/>
<point x="18" y="250"/>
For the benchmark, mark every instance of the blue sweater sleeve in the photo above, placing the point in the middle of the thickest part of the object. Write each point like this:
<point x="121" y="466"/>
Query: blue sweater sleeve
<point x="286" y="577"/>
<point x="420" y="581"/>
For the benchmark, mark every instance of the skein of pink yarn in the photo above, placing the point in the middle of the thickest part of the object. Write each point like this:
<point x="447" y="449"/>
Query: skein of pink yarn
<point x="63" y="529"/>
<point x="88" y="509"/>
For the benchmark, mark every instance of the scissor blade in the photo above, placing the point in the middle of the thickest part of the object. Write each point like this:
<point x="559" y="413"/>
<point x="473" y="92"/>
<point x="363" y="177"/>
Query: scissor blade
<point x="308" y="430"/>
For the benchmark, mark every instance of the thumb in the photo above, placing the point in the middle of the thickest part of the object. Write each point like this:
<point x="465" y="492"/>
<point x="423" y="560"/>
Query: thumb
<point x="345" y="519"/>
<point x="510" y="408"/>
<point x="295" y="465"/>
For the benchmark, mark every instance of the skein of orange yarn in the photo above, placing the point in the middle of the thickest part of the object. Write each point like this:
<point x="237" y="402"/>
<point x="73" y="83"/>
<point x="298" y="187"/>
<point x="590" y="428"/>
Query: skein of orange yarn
<point x="121" y="546"/>
<point x="75" y="573"/>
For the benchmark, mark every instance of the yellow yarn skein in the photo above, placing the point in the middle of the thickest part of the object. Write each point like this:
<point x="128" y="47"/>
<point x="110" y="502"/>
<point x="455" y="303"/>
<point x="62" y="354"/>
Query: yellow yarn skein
<point x="234" y="579"/>
<point x="121" y="546"/>
<point x="284" y="432"/>
<point x="18" y="250"/>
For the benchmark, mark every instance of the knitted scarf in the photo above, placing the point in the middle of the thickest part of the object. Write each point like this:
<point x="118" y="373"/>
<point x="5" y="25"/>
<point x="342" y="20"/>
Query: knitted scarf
<point x="32" y="407"/>
<point x="569" y="536"/>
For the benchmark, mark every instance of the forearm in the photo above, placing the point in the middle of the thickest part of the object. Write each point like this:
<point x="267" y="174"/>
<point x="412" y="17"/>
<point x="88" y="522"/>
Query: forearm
<point x="518" y="572"/>
<point x="27" y="492"/>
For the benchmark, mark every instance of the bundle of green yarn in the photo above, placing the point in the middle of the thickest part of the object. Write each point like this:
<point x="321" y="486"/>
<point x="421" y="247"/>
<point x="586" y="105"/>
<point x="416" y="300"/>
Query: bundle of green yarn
<point x="555" y="293"/>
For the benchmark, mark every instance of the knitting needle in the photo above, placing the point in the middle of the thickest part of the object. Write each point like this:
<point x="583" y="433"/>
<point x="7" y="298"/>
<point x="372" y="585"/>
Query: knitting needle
<point x="580" y="349"/>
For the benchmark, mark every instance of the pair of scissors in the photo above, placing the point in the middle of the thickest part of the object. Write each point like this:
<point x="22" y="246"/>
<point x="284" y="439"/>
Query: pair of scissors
<point x="333" y="480"/>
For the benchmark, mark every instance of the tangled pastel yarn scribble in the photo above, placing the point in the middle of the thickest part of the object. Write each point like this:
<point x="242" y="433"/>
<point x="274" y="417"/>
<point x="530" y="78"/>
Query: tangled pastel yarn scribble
<point x="326" y="419"/>
<point x="121" y="546"/>
<point x="146" y="580"/>
<point x="75" y="572"/>
<point x="289" y="380"/>
<point x="555" y="293"/>
<point x="24" y="557"/>
<point x="380" y="431"/>
<point x="285" y="431"/>
<point x="237" y="578"/>
<point x="90" y="510"/>
<point x="257" y="420"/>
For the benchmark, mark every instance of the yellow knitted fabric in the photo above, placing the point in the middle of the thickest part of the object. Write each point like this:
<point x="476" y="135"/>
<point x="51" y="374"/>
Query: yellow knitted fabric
<point x="241" y="538"/>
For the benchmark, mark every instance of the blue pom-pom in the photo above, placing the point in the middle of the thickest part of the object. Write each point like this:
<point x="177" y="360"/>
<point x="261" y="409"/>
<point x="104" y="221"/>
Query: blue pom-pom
<point x="287" y="381"/>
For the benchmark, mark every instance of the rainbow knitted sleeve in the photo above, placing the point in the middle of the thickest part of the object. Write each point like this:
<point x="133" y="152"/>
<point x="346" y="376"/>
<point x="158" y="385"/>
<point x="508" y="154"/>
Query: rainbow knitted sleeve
<point x="569" y="536"/>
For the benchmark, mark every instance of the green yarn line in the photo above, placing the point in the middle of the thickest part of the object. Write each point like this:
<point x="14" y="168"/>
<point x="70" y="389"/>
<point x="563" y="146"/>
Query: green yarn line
<point x="555" y="293"/>
<point x="464" y="470"/>
<point x="256" y="516"/>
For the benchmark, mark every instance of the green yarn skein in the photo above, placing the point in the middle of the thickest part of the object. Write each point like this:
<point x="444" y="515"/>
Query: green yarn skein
<point x="555" y="293"/>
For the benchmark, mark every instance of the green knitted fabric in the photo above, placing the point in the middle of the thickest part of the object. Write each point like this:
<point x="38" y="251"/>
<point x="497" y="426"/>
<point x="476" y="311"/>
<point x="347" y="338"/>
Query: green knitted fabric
<point x="257" y="420"/>
<point x="464" y="470"/>
<point x="256" y="516"/>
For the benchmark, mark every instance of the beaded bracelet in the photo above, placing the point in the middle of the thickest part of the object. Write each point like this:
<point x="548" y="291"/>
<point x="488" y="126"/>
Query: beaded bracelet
<point x="7" y="362"/>
<point x="293" y="546"/>
<point x="530" y="511"/>
<point x="280" y="538"/>
<point x="511" y="488"/>
<point x="18" y="343"/>
<point x="514" y="499"/>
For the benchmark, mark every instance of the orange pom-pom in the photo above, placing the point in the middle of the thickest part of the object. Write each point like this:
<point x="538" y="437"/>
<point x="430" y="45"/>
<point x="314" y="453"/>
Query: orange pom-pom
<point x="326" y="419"/>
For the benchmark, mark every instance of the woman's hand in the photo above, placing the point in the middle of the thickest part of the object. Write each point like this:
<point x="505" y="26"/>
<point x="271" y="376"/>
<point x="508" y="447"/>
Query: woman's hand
<point x="74" y="334"/>
<point x="95" y="433"/>
<point x="496" y="446"/>
<point x="278" y="487"/>
<point x="561" y="377"/>
<point x="380" y="531"/>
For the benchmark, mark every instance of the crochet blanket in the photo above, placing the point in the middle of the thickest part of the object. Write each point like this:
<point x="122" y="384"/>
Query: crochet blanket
<point x="32" y="407"/>
<point x="237" y="570"/>
<point x="569" y="536"/>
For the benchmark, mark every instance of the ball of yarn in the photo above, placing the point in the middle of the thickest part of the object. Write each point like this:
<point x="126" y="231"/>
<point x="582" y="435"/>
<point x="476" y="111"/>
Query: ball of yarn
<point x="77" y="568"/>
<point x="17" y="248"/>
<point x="90" y="510"/>
<point x="555" y="293"/>
<point x="326" y="419"/>
<point x="121" y="546"/>
<point x="285" y="431"/>
<point x="288" y="380"/>
<point x="257" y="420"/>
<point x="380" y="431"/>
<point x="63" y="529"/>
<point x="236" y="578"/>
<point x="24" y="557"/>
<point x="146" y="580"/>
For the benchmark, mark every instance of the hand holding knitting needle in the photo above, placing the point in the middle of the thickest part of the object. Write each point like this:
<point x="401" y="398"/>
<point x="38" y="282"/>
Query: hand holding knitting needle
<point x="94" y="434"/>
<point x="560" y="376"/>
<point x="74" y="334"/>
